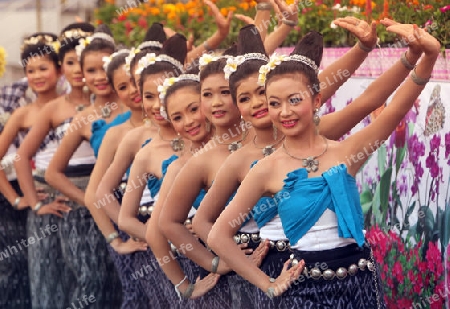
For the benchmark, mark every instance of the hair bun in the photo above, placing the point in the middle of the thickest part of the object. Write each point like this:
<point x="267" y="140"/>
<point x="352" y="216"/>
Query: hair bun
<point x="176" y="47"/>
<point x="155" y="33"/>
<point x="231" y="51"/>
<point x="249" y="41"/>
<point x="311" y="46"/>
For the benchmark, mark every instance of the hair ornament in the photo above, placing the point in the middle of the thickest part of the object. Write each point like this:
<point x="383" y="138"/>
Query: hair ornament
<point x="82" y="43"/>
<point x="277" y="59"/>
<point x="43" y="39"/>
<point x="74" y="34"/>
<point x="103" y="36"/>
<point x="234" y="62"/>
<point x="170" y="81"/>
<point x="129" y="58"/>
<point x="107" y="60"/>
<point x="148" y="44"/>
<point x="152" y="58"/>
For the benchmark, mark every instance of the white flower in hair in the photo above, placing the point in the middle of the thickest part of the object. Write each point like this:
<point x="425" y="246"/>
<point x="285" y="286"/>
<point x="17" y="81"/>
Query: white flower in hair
<point x="106" y="61"/>
<point x="232" y="65"/>
<point x="82" y="43"/>
<point x="276" y="59"/>
<point x="162" y="89"/>
<point x="146" y="61"/>
<point x="162" y="111"/>
<point x="263" y="71"/>
<point x="130" y="58"/>
<point x="205" y="59"/>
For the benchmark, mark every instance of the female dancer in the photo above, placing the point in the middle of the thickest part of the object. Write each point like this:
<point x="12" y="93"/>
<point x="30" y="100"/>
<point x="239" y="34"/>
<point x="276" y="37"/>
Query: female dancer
<point x="45" y="262"/>
<point x="250" y="98"/>
<point x="322" y="217"/>
<point x="153" y="160"/>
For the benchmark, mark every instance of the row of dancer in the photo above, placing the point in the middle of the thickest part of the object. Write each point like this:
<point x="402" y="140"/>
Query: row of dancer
<point x="225" y="202"/>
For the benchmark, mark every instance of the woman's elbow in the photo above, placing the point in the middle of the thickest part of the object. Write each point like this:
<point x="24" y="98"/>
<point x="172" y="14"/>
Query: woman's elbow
<point x="213" y="239"/>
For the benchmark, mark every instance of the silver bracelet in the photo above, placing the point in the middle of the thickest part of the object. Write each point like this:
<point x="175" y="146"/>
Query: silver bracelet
<point x="215" y="264"/>
<point x="364" y="47"/>
<point x="264" y="6"/>
<point x="16" y="202"/>
<point x="406" y="63"/>
<point x="288" y="22"/>
<point x="189" y="291"/>
<point x="177" y="285"/>
<point x="420" y="81"/>
<point x="206" y="46"/>
<point x="270" y="293"/>
<point x="111" y="237"/>
<point x="38" y="206"/>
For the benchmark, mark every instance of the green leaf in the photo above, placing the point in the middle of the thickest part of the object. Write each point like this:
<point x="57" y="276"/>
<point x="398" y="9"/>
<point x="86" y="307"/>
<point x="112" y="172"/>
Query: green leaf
<point x="382" y="159"/>
<point x="445" y="227"/>
<point x="385" y="186"/>
<point x="399" y="157"/>
<point x="407" y="214"/>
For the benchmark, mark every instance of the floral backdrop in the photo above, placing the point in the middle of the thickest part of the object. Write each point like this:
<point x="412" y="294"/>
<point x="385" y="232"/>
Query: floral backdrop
<point x="405" y="196"/>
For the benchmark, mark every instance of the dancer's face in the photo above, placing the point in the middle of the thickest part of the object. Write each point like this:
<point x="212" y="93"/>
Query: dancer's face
<point x="217" y="104"/>
<point x="291" y="106"/>
<point x="122" y="83"/>
<point x="184" y="112"/>
<point x="42" y="74"/>
<point x="94" y="73"/>
<point x="71" y="69"/>
<point x="252" y="103"/>
<point x="150" y="97"/>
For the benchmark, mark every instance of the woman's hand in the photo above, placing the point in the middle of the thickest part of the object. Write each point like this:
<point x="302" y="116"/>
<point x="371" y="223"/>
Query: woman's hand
<point x="57" y="207"/>
<point x="287" y="277"/>
<point x="367" y="34"/>
<point x="223" y="24"/>
<point x="285" y="11"/>
<point x="260" y="253"/>
<point x="203" y="286"/>
<point x="128" y="247"/>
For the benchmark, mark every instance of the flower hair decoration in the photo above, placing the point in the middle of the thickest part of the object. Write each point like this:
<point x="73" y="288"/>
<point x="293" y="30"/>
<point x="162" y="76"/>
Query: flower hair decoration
<point x="43" y="39"/>
<point x="152" y="58"/>
<point x="129" y="58"/>
<point x="168" y="82"/>
<point x="207" y="58"/>
<point x="148" y="44"/>
<point x="107" y="60"/>
<point x="277" y="59"/>
<point x="82" y="43"/>
<point x="234" y="62"/>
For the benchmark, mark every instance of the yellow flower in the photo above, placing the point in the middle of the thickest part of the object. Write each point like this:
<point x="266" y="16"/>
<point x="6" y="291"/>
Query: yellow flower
<point x="224" y="12"/>
<point x="2" y="61"/>
<point x="109" y="1"/>
<point x="244" y="6"/>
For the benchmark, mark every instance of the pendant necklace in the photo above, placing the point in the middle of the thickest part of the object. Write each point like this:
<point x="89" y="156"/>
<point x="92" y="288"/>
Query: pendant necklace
<point x="311" y="164"/>
<point x="269" y="149"/>
<point x="177" y="143"/>
<point x="232" y="147"/>
<point x="79" y="107"/>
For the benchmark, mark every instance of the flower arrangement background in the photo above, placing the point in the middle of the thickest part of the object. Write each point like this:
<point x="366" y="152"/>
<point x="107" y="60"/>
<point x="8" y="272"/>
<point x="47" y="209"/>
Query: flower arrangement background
<point x="129" y="23"/>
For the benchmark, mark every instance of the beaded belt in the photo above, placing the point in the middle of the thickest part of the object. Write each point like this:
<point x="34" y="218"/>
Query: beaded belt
<point x="146" y="209"/>
<point x="245" y="238"/>
<point x="280" y="245"/>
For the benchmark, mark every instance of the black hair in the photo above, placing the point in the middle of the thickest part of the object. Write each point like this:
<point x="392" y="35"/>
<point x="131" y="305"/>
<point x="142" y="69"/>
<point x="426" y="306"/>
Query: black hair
<point x="174" y="47"/>
<point x="115" y="64"/>
<point x="310" y="46"/>
<point x="249" y="41"/>
<point x="68" y="43"/>
<point x="99" y="44"/>
<point x="37" y="45"/>
<point x="156" y="34"/>
<point x="216" y="67"/>
<point x="184" y="84"/>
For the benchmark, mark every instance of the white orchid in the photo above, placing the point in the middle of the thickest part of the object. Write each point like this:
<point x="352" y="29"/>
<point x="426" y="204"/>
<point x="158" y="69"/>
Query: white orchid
<point x="168" y="82"/>
<point x="232" y="65"/>
<point x="205" y="59"/>
<point x="130" y="58"/>
<point x="82" y="43"/>
<point x="146" y="61"/>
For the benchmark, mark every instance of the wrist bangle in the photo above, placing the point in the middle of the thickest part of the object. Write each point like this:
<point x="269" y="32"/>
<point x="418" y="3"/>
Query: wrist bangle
<point x="419" y="80"/>
<point x="38" y="206"/>
<point x="264" y="6"/>
<point x="270" y="293"/>
<point x="364" y="47"/>
<point x="272" y="280"/>
<point x="16" y="202"/>
<point x="177" y="285"/>
<point x="189" y="291"/>
<point x="111" y="237"/>
<point x="206" y="46"/>
<point x="288" y="22"/>
<point x="406" y="63"/>
<point x="215" y="264"/>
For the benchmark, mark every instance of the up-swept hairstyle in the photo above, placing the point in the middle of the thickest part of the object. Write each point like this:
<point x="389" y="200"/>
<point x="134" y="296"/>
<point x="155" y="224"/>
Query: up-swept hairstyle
<point x="310" y="46"/>
<point x="71" y="35"/>
<point x="40" y="44"/>
<point x="185" y="83"/>
<point x="216" y="67"/>
<point x="249" y="41"/>
<point x="99" y="43"/>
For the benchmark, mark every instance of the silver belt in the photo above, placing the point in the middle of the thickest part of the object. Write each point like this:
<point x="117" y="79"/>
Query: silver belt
<point x="280" y="245"/>
<point x="341" y="273"/>
<point x="39" y="173"/>
<point x="244" y="238"/>
<point x="146" y="210"/>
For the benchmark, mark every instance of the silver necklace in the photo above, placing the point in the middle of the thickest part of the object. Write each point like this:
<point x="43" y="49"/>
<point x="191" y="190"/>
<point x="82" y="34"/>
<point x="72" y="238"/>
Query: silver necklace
<point x="269" y="149"/>
<point x="177" y="143"/>
<point x="79" y="107"/>
<point x="232" y="147"/>
<point x="311" y="164"/>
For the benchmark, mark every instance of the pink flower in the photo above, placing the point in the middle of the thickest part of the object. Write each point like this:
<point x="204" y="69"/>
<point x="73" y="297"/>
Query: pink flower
<point x="445" y="8"/>
<point x="397" y="271"/>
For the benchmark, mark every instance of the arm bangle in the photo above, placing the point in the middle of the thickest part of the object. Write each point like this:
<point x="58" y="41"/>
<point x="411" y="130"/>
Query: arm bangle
<point x="189" y="291"/>
<point x="264" y="6"/>
<point x="270" y="293"/>
<point x="418" y="80"/>
<point x="215" y="264"/>
<point x="16" y="202"/>
<point x="177" y="285"/>
<point x="288" y="22"/>
<point x="406" y="63"/>
<point x="111" y="237"/>
<point x="364" y="47"/>
<point x="38" y="206"/>
<point x="206" y="46"/>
